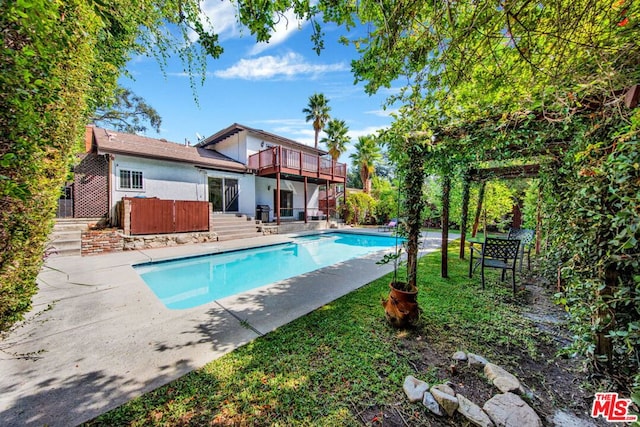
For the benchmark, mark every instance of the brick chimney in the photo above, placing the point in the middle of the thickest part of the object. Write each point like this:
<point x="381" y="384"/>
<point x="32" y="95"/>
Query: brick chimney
<point x="88" y="138"/>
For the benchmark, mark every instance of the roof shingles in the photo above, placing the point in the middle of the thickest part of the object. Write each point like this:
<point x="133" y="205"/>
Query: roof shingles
<point x="112" y="142"/>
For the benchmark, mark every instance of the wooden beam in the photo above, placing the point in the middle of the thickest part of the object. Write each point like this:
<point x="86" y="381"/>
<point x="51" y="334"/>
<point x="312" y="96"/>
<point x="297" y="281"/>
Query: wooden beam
<point x="505" y="172"/>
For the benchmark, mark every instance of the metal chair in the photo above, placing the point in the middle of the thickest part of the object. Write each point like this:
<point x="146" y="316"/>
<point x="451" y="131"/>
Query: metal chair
<point x="497" y="253"/>
<point x="526" y="237"/>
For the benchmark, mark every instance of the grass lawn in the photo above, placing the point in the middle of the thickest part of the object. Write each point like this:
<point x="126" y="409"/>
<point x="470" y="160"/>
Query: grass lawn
<point x="344" y="365"/>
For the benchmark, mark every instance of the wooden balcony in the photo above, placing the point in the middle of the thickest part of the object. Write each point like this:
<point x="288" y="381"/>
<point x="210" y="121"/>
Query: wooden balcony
<point x="291" y="162"/>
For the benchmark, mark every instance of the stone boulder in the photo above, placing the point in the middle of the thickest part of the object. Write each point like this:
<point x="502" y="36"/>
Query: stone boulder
<point x="414" y="388"/>
<point x="503" y="380"/>
<point x="509" y="410"/>
<point x="445" y="396"/>
<point x="431" y="404"/>
<point x="473" y="412"/>
<point x="476" y="361"/>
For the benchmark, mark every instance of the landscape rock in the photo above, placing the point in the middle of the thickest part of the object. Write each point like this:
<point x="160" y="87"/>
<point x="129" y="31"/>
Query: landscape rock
<point x="459" y="355"/>
<point x="445" y="388"/>
<point x="431" y="404"/>
<point x="473" y="412"/>
<point x="476" y="361"/>
<point x="447" y="401"/>
<point x="509" y="410"/>
<point x="503" y="380"/>
<point x="414" y="388"/>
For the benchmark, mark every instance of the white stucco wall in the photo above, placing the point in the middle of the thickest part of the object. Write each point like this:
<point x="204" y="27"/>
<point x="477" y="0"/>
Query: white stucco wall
<point x="264" y="194"/>
<point x="177" y="181"/>
<point x="162" y="179"/>
<point x="235" y="147"/>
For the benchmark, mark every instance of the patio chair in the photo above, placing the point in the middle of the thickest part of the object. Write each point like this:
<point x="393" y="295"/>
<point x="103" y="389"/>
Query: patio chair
<point x="526" y="237"/>
<point x="497" y="253"/>
<point x="391" y="225"/>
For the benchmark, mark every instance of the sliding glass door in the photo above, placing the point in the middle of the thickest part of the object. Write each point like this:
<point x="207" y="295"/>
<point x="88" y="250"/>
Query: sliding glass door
<point x="223" y="194"/>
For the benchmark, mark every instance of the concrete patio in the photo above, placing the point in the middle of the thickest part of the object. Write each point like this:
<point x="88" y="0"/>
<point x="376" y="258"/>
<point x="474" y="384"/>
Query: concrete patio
<point x="97" y="335"/>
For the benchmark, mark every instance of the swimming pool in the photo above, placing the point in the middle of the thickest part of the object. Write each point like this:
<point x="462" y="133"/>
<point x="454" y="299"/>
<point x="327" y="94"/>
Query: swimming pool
<point x="190" y="282"/>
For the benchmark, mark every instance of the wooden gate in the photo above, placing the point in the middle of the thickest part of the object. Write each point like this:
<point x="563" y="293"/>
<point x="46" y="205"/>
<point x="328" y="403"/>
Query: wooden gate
<point x="156" y="216"/>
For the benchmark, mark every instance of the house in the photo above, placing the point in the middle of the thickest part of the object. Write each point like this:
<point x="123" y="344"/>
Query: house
<point x="239" y="170"/>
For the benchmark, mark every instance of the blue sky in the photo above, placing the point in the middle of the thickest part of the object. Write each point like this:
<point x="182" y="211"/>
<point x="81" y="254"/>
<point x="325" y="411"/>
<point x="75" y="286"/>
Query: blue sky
<point x="264" y="86"/>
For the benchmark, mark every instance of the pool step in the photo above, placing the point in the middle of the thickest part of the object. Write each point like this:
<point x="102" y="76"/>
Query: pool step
<point x="232" y="226"/>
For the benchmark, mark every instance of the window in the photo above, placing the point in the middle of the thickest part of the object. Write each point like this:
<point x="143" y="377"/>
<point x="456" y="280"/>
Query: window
<point x="130" y="180"/>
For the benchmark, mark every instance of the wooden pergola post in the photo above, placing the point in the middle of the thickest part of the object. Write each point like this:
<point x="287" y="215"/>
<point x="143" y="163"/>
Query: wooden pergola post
<point x="466" y="186"/>
<point x="305" y="199"/>
<point x="278" y="198"/>
<point x="476" y="220"/>
<point x="446" y="189"/>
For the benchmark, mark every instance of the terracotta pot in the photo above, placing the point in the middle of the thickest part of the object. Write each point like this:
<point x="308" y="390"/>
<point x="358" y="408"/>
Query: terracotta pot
<point x="403" y="296"/>
<point x="401" y="308"/>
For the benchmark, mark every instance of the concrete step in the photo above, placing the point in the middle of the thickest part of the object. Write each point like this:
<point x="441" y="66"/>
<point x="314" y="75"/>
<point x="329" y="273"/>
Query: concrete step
<point x="65" y="239"/>
<point x="231" y="226"/>
<point x="236" y="236"/>
<point x="55" y="252"/>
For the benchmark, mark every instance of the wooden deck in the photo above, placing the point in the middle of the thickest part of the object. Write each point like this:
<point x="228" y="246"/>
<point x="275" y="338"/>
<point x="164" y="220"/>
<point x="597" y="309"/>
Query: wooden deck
<point x="291" y="162"/>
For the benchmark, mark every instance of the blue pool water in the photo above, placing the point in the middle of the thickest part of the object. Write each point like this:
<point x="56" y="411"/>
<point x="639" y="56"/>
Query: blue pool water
<point x="190" y="282"/>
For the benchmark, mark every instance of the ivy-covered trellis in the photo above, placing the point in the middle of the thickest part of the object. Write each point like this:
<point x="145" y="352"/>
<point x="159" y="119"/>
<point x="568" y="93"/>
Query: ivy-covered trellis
<point x="589" y="193"/>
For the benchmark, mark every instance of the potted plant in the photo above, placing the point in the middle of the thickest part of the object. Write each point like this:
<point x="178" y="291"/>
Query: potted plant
<point x="401" y="307"/>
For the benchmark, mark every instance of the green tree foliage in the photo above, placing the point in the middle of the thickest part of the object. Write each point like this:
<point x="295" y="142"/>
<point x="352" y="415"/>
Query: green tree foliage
<point x="359" y="209"/>
<point x="366" y="155"/>
<point x="337" y="138"/>
<point x="594" y="232"/>
<point x="128" y="113"/>
<point x="317" y="112"/>
<point x="60" y="60"/>
<point x="386" y="195"/>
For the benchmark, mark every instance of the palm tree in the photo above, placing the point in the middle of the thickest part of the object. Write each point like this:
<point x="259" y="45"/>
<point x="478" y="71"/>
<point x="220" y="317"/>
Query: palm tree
<point x="364" y="159"/>
<point x="336" y="139"/>
<point x="318" y="112"/>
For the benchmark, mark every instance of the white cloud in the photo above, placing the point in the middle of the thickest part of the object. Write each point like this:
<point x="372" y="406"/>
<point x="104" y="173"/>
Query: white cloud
<point x="370" y="130"/>
<point x="286" y="26"/>
<point x="266" y="67"/>
<point x="221" y="15"/>
<point x="383" y="113"/>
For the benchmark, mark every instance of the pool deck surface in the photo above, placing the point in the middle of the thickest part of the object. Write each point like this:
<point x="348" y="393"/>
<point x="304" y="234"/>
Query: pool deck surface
<point x="97" y="336"/>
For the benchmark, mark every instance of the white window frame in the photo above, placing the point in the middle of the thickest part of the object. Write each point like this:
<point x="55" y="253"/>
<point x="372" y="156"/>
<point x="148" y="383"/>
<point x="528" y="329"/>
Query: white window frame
<point x="131" y="172"/>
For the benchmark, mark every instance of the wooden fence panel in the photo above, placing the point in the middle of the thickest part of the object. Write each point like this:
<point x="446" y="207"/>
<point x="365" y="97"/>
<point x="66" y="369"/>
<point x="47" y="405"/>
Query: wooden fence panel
<point x="156" y="216"/>
<point x="191" y="216"/>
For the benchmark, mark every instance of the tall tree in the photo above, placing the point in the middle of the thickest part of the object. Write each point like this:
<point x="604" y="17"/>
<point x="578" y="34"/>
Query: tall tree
<point x="128" y="112"/>
<point x="317" y="112"/>
<point x="337" y="138"/>
<point x="365" y="157"/>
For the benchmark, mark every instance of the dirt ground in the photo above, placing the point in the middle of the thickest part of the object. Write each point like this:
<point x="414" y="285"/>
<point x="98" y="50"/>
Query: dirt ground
<point x="552" y="383"/>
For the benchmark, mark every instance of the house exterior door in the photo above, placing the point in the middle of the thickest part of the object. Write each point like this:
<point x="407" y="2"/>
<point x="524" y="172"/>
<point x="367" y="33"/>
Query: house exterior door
<point x="286" y="202"/>
<point x="223" y="194"/>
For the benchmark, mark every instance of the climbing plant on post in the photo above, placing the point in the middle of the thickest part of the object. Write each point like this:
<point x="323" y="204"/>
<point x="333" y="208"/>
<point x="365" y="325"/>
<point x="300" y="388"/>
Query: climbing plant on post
<point x="414" y="180"/>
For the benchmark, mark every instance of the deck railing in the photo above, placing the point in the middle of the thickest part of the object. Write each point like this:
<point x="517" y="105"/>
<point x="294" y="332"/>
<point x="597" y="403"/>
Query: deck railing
<point x="277" y="158"/>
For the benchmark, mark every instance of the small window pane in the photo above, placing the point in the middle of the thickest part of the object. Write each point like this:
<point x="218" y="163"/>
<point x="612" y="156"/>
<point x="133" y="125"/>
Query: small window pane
<point x="131" y="180"/>
<point x="125" y="179"/>
<point x="136" y="180"/>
